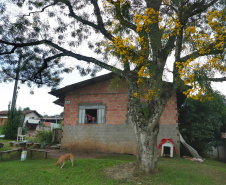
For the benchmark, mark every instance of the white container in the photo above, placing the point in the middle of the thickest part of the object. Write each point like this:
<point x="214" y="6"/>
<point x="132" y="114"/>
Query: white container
<point x="23" y="155"/>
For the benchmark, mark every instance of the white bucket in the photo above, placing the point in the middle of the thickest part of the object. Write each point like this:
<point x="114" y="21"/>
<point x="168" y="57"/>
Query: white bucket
<point x="23" y="155"/>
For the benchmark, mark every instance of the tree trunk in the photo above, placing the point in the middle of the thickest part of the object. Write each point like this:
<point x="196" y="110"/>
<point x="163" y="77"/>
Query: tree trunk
<point x="146" y="126"/>
<point x="147" y="149"/>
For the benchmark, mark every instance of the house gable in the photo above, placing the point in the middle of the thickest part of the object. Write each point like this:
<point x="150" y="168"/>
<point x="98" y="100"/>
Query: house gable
<point x="116" y="134"/>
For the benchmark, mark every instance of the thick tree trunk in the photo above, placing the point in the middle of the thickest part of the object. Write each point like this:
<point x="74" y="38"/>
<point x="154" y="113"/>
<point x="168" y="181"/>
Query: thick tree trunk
<point x="146" y="126"/>
<point x="147" y="149"/>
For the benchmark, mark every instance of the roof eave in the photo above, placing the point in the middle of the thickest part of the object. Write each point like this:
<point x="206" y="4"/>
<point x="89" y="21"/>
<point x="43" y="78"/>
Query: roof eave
<point x="62" y="91"/>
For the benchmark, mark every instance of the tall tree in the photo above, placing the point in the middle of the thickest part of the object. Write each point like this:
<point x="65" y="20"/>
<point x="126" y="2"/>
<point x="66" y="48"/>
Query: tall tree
<point x="134" y="39"/>
<point x="15" y="119"/>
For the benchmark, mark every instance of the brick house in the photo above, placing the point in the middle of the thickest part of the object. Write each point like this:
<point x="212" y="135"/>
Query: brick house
<point x="114" y="131"/>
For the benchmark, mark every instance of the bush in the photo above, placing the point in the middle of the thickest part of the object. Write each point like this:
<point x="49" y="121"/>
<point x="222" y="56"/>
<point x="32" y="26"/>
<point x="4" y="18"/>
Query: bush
<point x="200" y="123"/>
<point x="44" y="135"/>
<point x="32" y="139"/>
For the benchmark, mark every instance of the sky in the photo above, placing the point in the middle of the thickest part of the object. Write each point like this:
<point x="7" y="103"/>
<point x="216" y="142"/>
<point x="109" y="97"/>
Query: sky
<point x="41" y="100"/>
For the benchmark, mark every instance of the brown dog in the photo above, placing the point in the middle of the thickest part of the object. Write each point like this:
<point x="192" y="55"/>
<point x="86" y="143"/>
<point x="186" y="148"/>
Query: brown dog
<point x="64" y="158"/>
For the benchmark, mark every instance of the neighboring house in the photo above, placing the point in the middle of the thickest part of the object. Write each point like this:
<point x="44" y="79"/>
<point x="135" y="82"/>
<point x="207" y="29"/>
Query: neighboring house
<point x="31" y="118"/>
<point x="52" y="119"/>
<point x="219" y="151"/>
<point x="46" y="124"/>
<point x="52" y="122"/>
<point x="113" y="131"/>
<point x="3" y="117"/>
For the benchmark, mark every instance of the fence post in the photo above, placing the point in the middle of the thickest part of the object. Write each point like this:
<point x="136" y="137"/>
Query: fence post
<point x="56" y="135"/>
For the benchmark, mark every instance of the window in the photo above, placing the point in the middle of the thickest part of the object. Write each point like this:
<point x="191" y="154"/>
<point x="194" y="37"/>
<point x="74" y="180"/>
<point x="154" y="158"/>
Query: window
<point x="91" y="113"/>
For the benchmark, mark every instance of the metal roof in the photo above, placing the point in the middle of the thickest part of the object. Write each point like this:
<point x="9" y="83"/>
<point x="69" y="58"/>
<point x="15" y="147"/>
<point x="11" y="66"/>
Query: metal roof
<point x="33" y="121"/>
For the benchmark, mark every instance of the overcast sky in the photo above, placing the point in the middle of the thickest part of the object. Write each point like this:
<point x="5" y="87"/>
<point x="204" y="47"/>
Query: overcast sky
<point x="40" y="101"/>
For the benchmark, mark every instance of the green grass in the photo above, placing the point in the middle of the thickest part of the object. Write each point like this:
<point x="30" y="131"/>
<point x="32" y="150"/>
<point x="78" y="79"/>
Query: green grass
<point x="45" y="171"/>
<point x="176" y="171"/>
<point x="90" y="171"/>
<point x="184" y="171"/>
<point x="6" y="145"/>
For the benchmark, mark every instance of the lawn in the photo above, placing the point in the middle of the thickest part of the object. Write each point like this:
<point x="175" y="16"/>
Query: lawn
<point x="38" y="170"/>
<point x="6" y="145"/>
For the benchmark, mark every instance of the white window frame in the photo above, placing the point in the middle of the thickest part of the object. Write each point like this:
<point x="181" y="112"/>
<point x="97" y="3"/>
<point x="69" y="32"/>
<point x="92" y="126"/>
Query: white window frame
<point x="100" y="113"/>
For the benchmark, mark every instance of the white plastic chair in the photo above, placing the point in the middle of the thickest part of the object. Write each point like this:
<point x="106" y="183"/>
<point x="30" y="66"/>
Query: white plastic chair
<point x="20" y="137"/>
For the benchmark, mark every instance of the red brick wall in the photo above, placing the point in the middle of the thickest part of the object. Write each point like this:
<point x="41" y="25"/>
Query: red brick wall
<point x="170" y="114"/>
<point x="115" y="135"/>
<point x="101" y="93"/>
<point x="115" y="102"/>
<point x="2" y="121"/>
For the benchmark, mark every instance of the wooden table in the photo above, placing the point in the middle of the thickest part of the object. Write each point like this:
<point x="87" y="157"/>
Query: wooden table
<point x="23" y="144"/>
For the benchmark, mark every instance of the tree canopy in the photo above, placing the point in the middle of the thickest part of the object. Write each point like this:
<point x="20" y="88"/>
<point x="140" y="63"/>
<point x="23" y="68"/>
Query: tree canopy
<point x="132" y="38"/>
<point x="26" y="108"/>
<point x="200" y="123"/>
<point x="135" y="32"/>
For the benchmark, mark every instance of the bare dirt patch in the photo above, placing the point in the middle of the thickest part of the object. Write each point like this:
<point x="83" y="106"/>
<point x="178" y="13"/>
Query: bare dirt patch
<point x="121" y="172"/>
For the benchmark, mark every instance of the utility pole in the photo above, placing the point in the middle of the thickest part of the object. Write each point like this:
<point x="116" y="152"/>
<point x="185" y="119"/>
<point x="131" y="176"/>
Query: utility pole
<point x="15" y="85"/>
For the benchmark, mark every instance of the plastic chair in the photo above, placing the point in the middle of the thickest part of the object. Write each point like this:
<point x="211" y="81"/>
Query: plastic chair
<point x="20" y="137"/>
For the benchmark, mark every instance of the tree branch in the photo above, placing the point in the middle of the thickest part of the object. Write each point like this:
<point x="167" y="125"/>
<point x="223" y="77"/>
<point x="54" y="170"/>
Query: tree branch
<point x="217" y="79"/>
<point x="196" y="54"/>
<point x="65" y="52"/>
<point x="169" y="45"/>
<point x="121" y="19"/>
<point x="42" y="10"/>
<point x="45" y="64"/>
<point x="100" y="21"/>
<point x="200" y="8"/>
<point x="99" y="27"/>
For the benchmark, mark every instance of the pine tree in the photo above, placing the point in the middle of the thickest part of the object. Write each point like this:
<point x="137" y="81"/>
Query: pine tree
<point x="15" y="119"/>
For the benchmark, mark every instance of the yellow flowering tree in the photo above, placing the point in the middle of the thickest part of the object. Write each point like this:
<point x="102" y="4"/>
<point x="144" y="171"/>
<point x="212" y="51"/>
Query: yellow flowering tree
<point x="134" y="39"/>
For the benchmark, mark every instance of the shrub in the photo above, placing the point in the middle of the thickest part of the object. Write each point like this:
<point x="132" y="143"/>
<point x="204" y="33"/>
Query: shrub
<point x="24" y="130"/>
<point x="44" y="135"/>
<point x="1" y="128"/>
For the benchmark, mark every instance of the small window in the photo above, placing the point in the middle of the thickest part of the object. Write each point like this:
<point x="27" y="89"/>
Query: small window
<point x="91" y="114"/>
